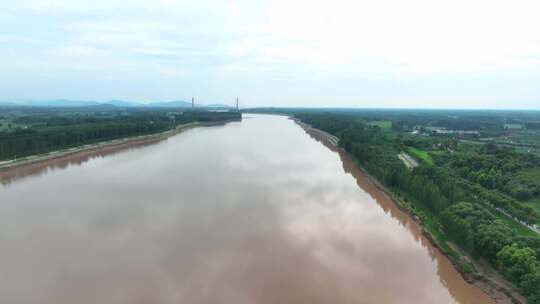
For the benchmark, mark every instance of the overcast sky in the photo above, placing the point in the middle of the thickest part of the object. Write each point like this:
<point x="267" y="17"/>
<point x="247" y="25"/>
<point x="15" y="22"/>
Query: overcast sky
<point x="376" y="53"/>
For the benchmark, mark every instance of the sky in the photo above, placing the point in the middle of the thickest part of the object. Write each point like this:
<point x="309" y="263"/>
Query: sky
<point x="362" y="53"/>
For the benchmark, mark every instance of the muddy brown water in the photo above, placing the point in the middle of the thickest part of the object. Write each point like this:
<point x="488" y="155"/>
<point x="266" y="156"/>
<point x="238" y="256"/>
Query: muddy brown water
<point x="251" y="212"/>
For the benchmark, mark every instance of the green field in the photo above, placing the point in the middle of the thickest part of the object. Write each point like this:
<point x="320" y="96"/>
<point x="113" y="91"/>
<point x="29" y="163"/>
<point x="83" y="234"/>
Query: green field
<point x="535" y="204"/>
<point x="530" y="175"/>
<point x="383" y="124"/>
<point x="421" y="155"/>
<point x="530" y="137"/>
<point x="4" y="125"/>
<point x="531" y="178"/>
<point x="520" y="229"/>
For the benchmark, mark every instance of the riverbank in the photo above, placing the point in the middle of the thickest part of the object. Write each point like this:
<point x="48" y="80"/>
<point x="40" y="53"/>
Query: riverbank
<point x="104" y="145"/>
<point x="476" y="273"/>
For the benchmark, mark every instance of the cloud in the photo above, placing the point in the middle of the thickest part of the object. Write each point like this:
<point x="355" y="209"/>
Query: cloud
<point x="299" y="42"/>
<point x="419" y="36"/>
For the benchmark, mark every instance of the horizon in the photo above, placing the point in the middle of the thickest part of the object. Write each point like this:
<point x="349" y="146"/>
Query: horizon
<point x="35" y="103"/>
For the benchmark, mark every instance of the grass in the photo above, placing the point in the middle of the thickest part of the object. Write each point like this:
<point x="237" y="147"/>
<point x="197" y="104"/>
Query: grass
<point x="530" y="175"/>
<point x="383" y="124"/>
<point x="527" y="137"/>
<point x="438" y="152"/>
<point x="522" y="230"/>
<point x="4" y="125"/>
<point x="422" y="155"/>
<point x="526" y="141"/>
<point x="535" y="204"/>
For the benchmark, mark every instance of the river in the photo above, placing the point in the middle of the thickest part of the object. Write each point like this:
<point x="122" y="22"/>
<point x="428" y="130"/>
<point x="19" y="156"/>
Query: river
<point x="256" y="211"/>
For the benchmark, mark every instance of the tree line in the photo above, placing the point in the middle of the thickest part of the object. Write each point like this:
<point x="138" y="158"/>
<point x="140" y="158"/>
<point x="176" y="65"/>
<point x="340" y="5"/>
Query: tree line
<point x="52" y="133"/>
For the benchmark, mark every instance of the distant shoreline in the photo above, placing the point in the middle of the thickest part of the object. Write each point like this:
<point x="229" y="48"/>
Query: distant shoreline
<point x="126" y="142"/>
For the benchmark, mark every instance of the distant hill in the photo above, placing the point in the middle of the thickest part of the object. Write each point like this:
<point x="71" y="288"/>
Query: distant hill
<point x="123" y="103"/>
<point x="53" y="103"/>
<point x="7" y="104"/>
<point x="168" y="104"/>
<point x="219" y="105"/>
<point x="114" y="102"/>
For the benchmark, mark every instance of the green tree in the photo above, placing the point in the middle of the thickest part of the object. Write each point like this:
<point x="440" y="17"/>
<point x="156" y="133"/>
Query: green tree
<point x="517" y="262"/>
<point x="491" y="238"/>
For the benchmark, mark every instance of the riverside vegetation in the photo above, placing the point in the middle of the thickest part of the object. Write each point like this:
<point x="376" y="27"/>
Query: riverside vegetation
<point x="475" y="195"/>
<point x="26" y="131"/>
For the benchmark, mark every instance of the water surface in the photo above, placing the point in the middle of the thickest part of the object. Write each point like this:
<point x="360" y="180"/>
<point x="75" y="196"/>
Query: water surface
<point x="251" y="212"/>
